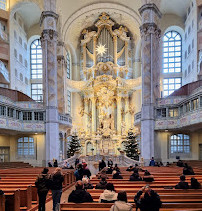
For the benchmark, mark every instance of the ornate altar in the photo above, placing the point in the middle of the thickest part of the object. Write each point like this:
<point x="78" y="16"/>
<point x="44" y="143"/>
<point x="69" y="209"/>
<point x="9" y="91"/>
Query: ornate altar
<point x="106" y="88"/>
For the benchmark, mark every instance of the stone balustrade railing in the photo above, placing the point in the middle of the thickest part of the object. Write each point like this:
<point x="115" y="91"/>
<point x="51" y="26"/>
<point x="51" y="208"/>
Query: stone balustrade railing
<point x="137" y="118"/>
<point x="65" y="119"/>
<point x="4" y="72"/>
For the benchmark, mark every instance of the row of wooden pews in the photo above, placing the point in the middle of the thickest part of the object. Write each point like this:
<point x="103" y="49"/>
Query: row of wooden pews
<point x="9" y="165"/>
<point x="165" y="180"/>
<point x="19" y="188"/>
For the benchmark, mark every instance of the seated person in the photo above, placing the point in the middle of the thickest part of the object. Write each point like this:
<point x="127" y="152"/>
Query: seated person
<point x="148" y="177"/>
<point x="188" y="170"/>
<point x="109" y="195"/>
<point x="80" y="195"/>
<point x="135" y="176"/>
<point x="195" y="184"/>
<point x="180" y="163"/>
<point x="109" y="170"/>
<point x="152" y="162"/>
<point x="102" y="184"/>
<point x="167" y="164"/>
<point x="116" y="168"/>
<point x="150" y="201"/>
<point x="182" y="184"/>
<point x="86" y="183"/>
<point x="110" y="163"/>
<point x="117" y="175"/>
<point x="130" y="168"/>
<point x="121" y="203"/>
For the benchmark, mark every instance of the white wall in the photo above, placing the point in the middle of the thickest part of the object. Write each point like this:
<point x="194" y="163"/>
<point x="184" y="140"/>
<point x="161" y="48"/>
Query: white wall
<point x="19" y="82"/>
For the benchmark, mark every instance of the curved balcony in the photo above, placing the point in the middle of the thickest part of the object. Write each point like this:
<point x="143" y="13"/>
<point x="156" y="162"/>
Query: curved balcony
<point x="4" y="74"/>
<point x="137" y="118"/>
<point x="65" y="119"/>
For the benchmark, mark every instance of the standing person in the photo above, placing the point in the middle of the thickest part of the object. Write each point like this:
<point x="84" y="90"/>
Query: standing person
<point x="110" y="163"/>
<point x="103" y="164"/>
<point x="57" y="179"/>
<point x="152" y="162"/>
<point x="150" y="201"/>
<point x="86" y="170"/>
<point x="42" y="183"/>
<point x="76" y="162"/>
<point x="121" y="203"/>
<point x="55" y="164"/>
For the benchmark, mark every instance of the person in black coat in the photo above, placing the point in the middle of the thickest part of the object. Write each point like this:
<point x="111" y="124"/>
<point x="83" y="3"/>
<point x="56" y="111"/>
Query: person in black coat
<point x="42" y="185"/>
<point x="188" y="170"/>
<point x="135" y="176"/>
<point x="57" y="179"/>
<point x="148" y="177"/>
<point x="80" y="195"/>
<point x="117" y="176"/>
<point x="195" y="184"/>
<point x="55" y="164"/>
<point x="102" y="184"/>
<point x="102" y="164"/>
<point x="76" y="162"/>
<point x="180" y="163"/>
<point x="149" y="202"/>
<point x="110" y="163"/>
<point x="116" y="168"/>
<point x="182" y="184"/>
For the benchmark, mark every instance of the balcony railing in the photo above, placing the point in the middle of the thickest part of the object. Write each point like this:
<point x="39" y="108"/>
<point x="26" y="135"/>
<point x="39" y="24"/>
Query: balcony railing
<point x="4" y="73"/>
<point x="65" y="119"/>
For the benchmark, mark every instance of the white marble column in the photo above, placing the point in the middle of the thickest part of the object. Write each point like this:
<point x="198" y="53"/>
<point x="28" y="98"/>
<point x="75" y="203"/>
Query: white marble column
<point x="150" y="34"/>
<point x="49" y="48"/>
<point x="85" y="116"/>
<point x="127" y="115"/>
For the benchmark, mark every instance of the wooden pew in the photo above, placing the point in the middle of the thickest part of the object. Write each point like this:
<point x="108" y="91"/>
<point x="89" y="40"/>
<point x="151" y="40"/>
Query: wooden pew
<point x="2" y="202"/>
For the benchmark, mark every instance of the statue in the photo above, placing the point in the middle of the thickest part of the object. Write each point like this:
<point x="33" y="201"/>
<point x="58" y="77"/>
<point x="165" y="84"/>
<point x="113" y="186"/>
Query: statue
<point x="123" y="128"/>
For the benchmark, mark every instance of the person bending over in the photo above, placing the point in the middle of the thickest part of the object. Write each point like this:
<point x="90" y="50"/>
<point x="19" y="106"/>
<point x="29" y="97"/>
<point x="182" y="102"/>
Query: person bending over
<point x="147" y="199"/>
<point x="80" y="195"/>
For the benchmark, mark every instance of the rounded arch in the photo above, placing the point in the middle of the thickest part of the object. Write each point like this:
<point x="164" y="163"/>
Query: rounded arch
<point x="96" y="7"/>
<point x="175" y="28"/>
<point x="89" y="146"/>
<point x="15" y="7"/>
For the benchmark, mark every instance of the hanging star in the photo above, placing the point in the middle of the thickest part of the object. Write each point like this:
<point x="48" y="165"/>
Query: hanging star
<point x="101" y="50"/>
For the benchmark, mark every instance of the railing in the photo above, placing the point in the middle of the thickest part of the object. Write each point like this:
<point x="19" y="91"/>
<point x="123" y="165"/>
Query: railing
<point x="188" y="119"/>
<point x="70" y="161"/>
<point x="137" y="118"/>
<point x="4" y="72"/>
<point x="65" y="119"/>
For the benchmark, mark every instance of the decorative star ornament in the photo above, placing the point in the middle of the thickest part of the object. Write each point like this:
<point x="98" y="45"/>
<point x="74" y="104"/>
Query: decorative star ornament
<point x="101" y="50"/>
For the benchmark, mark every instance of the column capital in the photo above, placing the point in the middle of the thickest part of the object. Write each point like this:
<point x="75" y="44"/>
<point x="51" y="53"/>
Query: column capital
<point x="49" y="34"/>
<point x="152" y="7"/>
<point x="150" y="28"/>
<point x="46" y="14"/>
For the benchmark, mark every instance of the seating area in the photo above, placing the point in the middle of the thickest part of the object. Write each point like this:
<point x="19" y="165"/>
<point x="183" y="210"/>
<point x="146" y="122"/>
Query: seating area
<point x="19" y="188"/>
<point x="8" y="165"/>
<point x="165" y="179"/>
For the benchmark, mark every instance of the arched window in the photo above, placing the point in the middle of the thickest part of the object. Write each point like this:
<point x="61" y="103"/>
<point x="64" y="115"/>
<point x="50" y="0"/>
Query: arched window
<point x="172" y="61"/>
<point x="36" y="70"/>
<point x="36" y="59"/>
<point x="3" y="4"/>
<point x="25" y="147"/>
<point x="68" y="65"/>
<point x="180" y="143"/>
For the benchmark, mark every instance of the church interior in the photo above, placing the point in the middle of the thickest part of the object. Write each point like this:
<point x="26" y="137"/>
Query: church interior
<point x="99" y="69"/>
